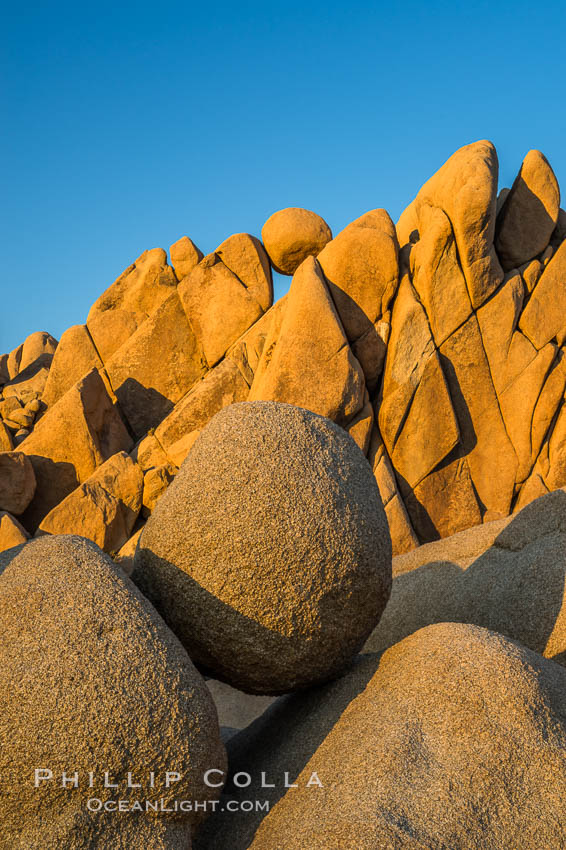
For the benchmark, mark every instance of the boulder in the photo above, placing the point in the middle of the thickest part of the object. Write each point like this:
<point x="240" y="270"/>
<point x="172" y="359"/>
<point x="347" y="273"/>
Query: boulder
<point x="37" y="345"/>
<point x="437" y="275"/>
<point x="13" y="361"/>
<point x="74" y="358"/>
<point x="184" y="256"/>
<point x="76" y="435"/>
<point x="529" y="213"/>
<point x="92" y="680"/>
<point x="4" y="375"/>
<point x="507" y="575"/>
<point x="140" y="288"/>
<point x="362" y="269"/>
<point x="104" y="508"/>
<point x="17" y="482"/>
<point x="293" y="234"/>
<point x="309" y="363"/>
<point x="269" y="554"/>
<point x="12" y="533"/>
<point x="457" y="740"/>
<point x="226" y="293"/>
<point x="125" y="305"/>
<point x="245" y="256"/>
<point x="156" y="366"/>
<point x="465" y="189"/>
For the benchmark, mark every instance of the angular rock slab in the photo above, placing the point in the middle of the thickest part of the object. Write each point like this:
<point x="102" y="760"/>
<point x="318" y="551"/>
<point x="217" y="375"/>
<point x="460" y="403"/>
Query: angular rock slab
<point x="156" y="366"/>
<point x="362" y="271"/>
<point x="309" y="363"/>
<point x="91" y="679"/>
<point x="465" y="188"/>
<point x="76" y="435"/>
<point x="529" y="213"/>
<point x="104" y="508"/>
<point x="226" y="293"/>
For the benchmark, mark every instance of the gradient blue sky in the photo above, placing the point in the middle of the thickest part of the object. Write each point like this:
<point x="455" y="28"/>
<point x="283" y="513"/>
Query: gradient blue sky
<point x="127" y="125"/>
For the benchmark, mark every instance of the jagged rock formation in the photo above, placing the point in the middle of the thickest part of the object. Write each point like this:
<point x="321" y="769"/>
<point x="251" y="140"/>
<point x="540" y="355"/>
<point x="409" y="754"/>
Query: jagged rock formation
<point x="438" y="344"/>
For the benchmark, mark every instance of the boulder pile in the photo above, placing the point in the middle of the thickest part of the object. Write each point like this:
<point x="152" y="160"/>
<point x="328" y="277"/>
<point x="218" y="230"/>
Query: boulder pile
<point x="438" y="344"/>
<point x="375" y="463"/>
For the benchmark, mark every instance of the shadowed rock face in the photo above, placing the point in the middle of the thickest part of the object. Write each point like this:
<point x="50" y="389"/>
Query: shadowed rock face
<point x="91" y="679"/>
<point x="269" y="555"/>
<point x="452" y="738"/>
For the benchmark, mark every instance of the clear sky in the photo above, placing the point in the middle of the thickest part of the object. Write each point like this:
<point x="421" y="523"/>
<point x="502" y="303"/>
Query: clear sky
<point x="128" y="125"/>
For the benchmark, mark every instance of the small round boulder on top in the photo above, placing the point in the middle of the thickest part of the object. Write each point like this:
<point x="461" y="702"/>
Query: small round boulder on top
<point x="293" y="234"/>
<point x="269" y="555"/>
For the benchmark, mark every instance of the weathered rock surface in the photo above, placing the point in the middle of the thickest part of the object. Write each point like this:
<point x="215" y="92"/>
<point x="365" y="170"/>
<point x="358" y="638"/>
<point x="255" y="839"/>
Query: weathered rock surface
<point x="544" y="316"/>
<point x="245" y="256"/>
<point x="125" y="556"/>
<point x="17" y="482"/>
<point x="92" y="680"/>
<point x="77" y="434"/>
<point x="104" y="508"/>
<point x="529" y="213"/>
<point x="433" y="752"/>
<point x="269" y="554"/>
<point x="140" y="288"/>
<point x="6" y="441"/>
<point x="293" y="234"/>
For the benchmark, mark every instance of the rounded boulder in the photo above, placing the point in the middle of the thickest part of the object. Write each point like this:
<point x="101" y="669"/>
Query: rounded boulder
<point x="293" y="234"/>
<point x="99" y="702"/>
<point x="269" y="555"/>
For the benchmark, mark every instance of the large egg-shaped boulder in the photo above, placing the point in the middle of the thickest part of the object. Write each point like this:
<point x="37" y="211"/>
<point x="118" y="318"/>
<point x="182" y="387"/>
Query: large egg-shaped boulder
<point x="269" y="555"/>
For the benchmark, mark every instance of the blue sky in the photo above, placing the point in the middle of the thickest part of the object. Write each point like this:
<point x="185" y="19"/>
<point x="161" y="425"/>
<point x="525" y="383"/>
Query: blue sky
<point x="128" y="125"/>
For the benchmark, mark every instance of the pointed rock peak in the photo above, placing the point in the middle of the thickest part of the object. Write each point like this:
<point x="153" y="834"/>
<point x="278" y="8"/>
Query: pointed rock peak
<point x="529" y="213"/>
